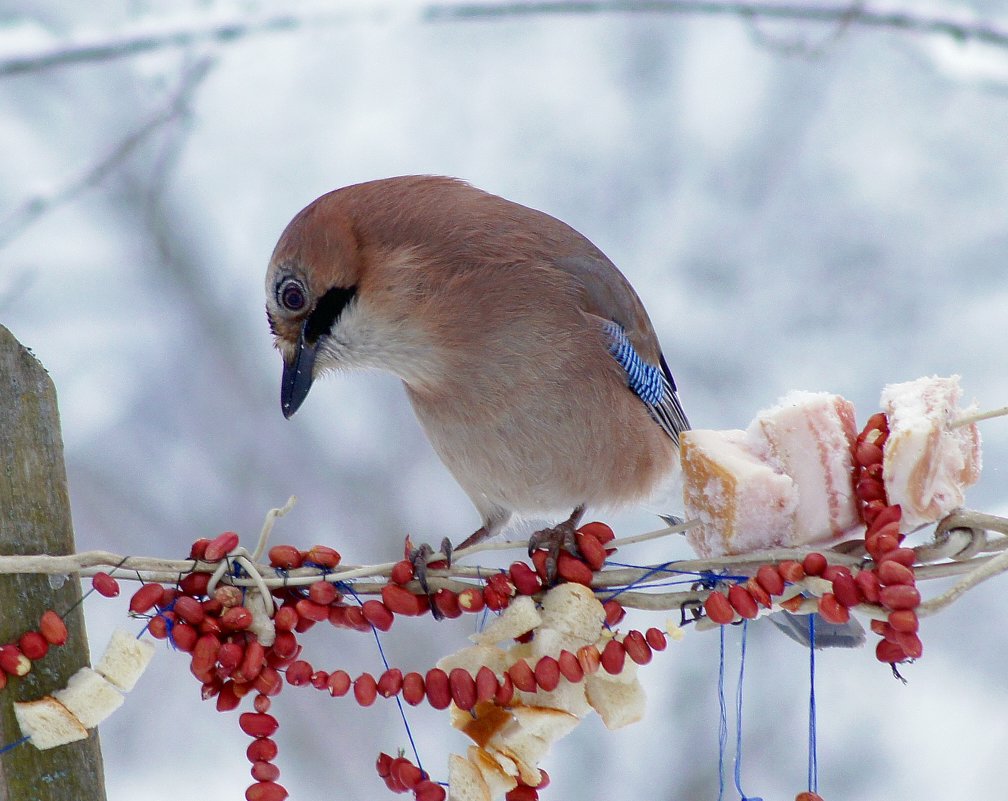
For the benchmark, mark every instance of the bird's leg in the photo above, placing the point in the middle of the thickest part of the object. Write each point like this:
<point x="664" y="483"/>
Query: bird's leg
<point x="419" y="557"/>
<point x="478" y="535"/>
<point x="555" y="538"/>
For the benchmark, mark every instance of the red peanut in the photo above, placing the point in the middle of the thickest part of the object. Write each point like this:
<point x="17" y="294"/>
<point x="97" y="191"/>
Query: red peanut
<point x="547" y="673"/>
<point x="258" y="724"/>
<point x="613" y="657"/>
<point x="718" y="609"/>
<point x="831" y="609"/>
<point x="742" y="601"/>
<point x="52" y="627"/>
<point x="438" y="688"/>
<point x="413" y="689"/>
<point x="365" y="689"/>
<point x="220" y="546"/>
<point x="463" y="688"/>
<point x="769" y="578"/>
<point x="899" y="596"/>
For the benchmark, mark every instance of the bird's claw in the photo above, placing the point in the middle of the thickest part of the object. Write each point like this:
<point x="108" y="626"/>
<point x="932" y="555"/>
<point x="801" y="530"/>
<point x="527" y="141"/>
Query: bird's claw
<point x="553" y="539"/>
<point x="420" y="557"/>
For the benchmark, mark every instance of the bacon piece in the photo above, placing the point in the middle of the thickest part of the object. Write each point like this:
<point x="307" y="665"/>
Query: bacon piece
<point x="927" y="463"/>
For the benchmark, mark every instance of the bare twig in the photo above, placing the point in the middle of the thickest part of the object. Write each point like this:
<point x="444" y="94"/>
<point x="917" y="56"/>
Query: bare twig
<point x="145" y="39"/>
<point x="846" y="14"/>
<point x="151" y="36"/>
<point x="988" y="568"/>
<point x="978" y="416"/>
<point x="267" y="527"/>
<point x="36" y="207"/>
<point x="960" y="547"/>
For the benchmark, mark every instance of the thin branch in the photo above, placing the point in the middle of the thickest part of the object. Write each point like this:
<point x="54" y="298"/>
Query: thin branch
<point x="152" y="36"/>
<point x="978" y="416"/>
<point x="852" y="13"/>
<point x="34" y="208"/>
<point x="958" y="547"/>
<point x="991" y="566"/>
<point x="128" y="42"/>
<point x="267" y="527"/>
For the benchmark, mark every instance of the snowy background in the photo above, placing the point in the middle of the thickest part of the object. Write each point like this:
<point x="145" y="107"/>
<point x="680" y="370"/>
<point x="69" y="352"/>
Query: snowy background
<point x="800" y="206"/>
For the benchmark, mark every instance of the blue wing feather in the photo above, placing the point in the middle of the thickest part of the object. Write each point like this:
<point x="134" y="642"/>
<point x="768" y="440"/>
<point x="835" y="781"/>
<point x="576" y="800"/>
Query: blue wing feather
<point x="652" y="384"/>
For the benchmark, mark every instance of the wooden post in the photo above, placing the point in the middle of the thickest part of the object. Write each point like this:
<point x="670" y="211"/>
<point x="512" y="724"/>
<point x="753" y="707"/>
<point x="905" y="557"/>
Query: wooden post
<point x="35" y="518"/>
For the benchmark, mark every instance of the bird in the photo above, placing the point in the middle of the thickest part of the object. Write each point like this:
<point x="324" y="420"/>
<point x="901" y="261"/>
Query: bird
<point x="527" y="356"/>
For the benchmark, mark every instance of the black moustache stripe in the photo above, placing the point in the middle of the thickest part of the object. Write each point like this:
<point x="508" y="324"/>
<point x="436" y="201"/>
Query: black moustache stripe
<point x="326" y="312"/>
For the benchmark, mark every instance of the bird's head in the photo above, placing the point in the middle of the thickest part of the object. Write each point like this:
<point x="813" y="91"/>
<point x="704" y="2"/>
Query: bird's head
<point x="348" y="287"/>
<point x="311" y="298"/>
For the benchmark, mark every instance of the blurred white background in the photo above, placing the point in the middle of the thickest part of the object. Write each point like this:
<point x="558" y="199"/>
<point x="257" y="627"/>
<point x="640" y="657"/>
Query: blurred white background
<point x="801" y="206"/>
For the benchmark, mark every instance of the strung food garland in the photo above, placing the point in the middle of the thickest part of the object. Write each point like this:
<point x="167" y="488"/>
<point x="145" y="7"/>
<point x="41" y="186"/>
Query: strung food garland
<point x="889" y="579"/>
<point x="240" y="621"/>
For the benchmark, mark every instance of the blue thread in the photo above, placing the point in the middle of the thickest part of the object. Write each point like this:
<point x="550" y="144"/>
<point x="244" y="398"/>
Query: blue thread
<point x="738" y="712"/>
<point x="723" y="728"/>
<point x="146" y="627"/>
<point x="13" y="745"/>
<point x="645" y="380"/>
<point x="481" y="619"/>
<point x="723" y="718"/>
<point x="813" y="760"/>
<point x="642" y="578"/>
<point x="707" y="578"/>
<point x="381" y="653"/>
<point x="738" y="718"/>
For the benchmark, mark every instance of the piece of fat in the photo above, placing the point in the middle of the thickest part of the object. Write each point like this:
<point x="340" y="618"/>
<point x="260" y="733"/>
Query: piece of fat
<point x="742" y="503"/>
<point x="927" y="462"/>
<point x="809" y="436"/>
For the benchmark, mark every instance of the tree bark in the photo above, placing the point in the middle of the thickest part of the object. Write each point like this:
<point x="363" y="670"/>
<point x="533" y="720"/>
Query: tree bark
<point x="35" y="518"/>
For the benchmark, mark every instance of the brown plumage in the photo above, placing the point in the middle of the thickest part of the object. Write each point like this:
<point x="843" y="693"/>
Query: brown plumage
<point x="494" y="316"/>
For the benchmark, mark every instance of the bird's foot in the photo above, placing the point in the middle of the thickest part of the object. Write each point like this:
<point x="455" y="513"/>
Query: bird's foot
<point x="477" y="536"/>
<point x="552" y="540"/>
<point x="421" y="558"/>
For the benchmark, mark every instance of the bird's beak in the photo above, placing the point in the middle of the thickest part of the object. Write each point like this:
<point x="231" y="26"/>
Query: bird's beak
<point x="297" y="377"/>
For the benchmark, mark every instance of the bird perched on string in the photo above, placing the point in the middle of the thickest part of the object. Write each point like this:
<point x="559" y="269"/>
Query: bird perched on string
<point x="527" y="356"/>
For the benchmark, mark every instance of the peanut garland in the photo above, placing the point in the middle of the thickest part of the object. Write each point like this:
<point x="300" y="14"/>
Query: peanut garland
<point x="244" y="640"/>
<point x="889" y="582"/>
<point x="16" y="658"/>
<point x="230" y="661"/>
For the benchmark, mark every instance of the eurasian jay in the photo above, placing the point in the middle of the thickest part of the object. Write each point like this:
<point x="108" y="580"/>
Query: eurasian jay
<point x="527" y="356"/>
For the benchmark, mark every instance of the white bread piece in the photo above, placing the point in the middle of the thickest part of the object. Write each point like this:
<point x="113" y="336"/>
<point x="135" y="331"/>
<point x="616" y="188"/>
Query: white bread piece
<point x="627" y="675"/>
<point x="550" y="642"/>
<point x="926" y="464"/>
<point x="465" y="782"/>
<point x="527" y="737"/>
<point x="48" y="723"/>
<point x="472" y="658"/>
<point x="743" y="504"/>
<point x="573" y="609"/>
<point x="618" y="704"/>
<point x="498" y="780"/>
<point x="568" y="697"/>
<point x="506" y="763"/>
<point x="521" y="650"/>
<point x="809" y="436"/>
<point x="125" y="659"/>
<point x="549" y="724"/>
<point x="485" y="721"/>
<point x="525" y="748"/>
<point x="89" y="697"/>
<point x="519" y="617"/>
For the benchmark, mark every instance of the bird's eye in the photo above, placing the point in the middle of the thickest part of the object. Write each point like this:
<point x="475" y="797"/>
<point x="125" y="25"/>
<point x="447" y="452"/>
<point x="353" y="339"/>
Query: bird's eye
<point x="291" y="295"/>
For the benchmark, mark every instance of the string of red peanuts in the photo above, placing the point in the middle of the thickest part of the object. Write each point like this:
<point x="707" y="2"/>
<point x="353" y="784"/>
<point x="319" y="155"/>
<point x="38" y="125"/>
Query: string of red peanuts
<point x="230" y="661"/>
<point x="890" y="581"/>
